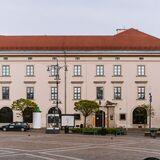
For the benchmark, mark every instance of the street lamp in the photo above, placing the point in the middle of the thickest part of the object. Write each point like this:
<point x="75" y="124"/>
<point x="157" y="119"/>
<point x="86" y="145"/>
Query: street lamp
<point x="150" y="107"/>
<point x="56" y="74"/>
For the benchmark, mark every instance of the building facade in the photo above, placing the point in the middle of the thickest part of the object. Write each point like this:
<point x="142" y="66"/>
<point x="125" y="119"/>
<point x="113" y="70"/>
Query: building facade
<point x="117" y="71"/>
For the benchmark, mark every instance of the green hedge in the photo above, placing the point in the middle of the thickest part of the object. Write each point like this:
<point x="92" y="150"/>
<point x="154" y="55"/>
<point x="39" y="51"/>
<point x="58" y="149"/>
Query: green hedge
<point x="99" y="131"/>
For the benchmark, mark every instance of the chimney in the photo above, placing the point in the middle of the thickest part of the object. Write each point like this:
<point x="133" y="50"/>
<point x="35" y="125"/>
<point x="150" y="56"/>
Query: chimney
<point x="119" y="30"/>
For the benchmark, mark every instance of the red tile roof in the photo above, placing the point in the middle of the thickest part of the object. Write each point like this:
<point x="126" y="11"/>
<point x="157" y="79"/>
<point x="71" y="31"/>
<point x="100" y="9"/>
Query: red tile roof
<point x="130" y="39"/>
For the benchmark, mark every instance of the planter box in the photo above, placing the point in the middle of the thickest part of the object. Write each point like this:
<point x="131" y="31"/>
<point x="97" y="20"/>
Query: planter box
<point x="36" y="120"/>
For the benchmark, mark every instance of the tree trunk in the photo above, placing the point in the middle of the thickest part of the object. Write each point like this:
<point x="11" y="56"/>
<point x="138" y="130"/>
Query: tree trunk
<point x="85" y="121"/>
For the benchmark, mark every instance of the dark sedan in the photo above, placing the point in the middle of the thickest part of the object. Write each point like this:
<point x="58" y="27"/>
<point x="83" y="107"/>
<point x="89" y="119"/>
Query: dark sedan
<point x="16" y="126"/>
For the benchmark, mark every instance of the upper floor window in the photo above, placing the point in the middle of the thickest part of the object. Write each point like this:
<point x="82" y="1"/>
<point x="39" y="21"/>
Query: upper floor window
<point x="77" y="93"/>
<point x="117" y="70"/>
<point x="141" y="70"/>
<point x="5" y="92"/>
<point x="117" y="92"/>
<point x="77" y="70"/>
<point x="5" y="70"/>
<point x="30" y="70"/>
<point x="54" y="93"/>
<point x="99" y="94"/>
<point x="100" y="70"/>
<point x="30" y="92"/>
<point x="141" y="92"/>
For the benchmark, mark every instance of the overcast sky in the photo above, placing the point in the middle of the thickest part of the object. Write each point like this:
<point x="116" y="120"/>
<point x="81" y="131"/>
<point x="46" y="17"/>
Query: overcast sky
<point x="65" y="17"/>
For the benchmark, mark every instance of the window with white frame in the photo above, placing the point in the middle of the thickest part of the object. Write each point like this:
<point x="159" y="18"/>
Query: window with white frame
<point x="5" y="92"/>
<point x="141" y="70"/>
<point x="53" y="71"/>
<point x="100" y="70"/>
<point x="30" y="92"/>
<point x="54" y="93"/>
<point x="77" y="70"/>
<point x="99" y="93"/>
<point x="117" y="92"/>
<point x="5" y="70"/>
<point x="30" y="70"/>
<point x="77" y="93"/>
<point x="141" y="93"/>
<point x="117" y="70"/>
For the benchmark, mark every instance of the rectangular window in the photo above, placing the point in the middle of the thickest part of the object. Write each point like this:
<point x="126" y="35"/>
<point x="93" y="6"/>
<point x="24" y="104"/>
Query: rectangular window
<point x="30" y="70"/>
<point x="122" y="117"/>
<point x="99" y="91"/>
<point x="30" y="92"/>
<point x="5" y="92"/>
<point x="141" y="92"/>
<point x="54" y="93"/>
<point x="117" y="92"/>
<point x="5" y="70"/>
<point x="117" y="70"/>
<point x="77" y="70"/>
<point x="77" y="93"/>
<point x="100" y="70"/>
<point x="53" y="71"/>
<point x="141" y="70"/>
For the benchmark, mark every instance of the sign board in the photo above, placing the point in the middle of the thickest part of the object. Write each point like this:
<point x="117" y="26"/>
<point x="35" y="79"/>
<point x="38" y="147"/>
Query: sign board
<point x="67" y="120"/>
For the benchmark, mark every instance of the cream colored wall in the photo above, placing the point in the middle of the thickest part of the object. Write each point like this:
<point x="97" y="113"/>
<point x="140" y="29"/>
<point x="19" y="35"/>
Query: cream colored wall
<point x="88" y="87"/>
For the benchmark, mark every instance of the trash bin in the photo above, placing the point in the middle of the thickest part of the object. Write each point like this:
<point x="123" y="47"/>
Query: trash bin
<point x="153" y="132"/>
<point x="66" y="129"/>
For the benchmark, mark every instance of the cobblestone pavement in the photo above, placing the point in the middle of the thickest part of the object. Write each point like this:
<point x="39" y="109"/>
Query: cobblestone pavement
<point x="41" y="146"/>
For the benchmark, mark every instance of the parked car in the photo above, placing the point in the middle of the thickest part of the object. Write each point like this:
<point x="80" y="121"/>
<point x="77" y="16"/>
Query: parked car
<point x="16" y="126"/>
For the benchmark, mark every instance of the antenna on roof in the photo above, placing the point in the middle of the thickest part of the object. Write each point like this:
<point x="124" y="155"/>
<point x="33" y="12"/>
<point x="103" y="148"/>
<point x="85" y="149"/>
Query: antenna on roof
<point x="119" y="30"/>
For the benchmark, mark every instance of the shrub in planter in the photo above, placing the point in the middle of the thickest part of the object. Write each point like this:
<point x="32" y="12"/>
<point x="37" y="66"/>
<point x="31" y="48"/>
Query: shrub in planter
<point x="37" y="118"/>
<point x="37" y="109"/>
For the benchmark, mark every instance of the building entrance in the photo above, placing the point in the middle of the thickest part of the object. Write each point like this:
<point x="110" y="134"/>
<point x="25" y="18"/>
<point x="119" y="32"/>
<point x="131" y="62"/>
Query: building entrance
<point x="100" y="119"/>
<point x="139" y="116"/>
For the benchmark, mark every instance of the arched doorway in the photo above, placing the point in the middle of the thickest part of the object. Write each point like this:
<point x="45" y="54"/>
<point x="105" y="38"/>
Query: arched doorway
<point x="28" y="115"/>
<point x="6" y="115"/>
<point x="54" y="110"/>
<point x="100" y="119"/>
<point x="140" y="115"/>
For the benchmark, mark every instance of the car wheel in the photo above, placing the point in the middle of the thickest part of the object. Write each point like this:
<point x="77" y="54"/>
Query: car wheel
<point x="4" y="129"/>
<point x="22" y="129"/>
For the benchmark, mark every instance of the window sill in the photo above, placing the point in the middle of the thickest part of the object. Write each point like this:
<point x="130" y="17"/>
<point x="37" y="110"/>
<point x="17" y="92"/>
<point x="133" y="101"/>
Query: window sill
<point x="5" y="76"/>
<point x="99" y="75"/>
<point x="117" y="76"/>
<point x="77" y="76"/>
<point x="30" y="76"/>
<point x="117" y="99"/>
<point x="141" y="99"/>
<point x="141" y="76"/>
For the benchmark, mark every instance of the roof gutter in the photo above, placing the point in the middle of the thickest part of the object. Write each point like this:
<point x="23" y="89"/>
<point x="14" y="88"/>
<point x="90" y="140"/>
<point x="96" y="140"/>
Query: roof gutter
<point x="83" y="53"/>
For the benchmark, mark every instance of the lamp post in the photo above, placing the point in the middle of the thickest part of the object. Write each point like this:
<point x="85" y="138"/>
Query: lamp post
<point x="56" y="75"/>
<point x="150" y="116"/>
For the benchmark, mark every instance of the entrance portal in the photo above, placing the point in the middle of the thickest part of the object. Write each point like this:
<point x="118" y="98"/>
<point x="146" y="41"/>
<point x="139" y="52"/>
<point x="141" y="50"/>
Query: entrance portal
<point x="100" y="119"/>
<point x="140" y="116"/>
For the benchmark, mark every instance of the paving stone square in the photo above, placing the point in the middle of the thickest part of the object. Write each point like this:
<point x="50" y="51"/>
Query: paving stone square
<point x="41" y="146"/>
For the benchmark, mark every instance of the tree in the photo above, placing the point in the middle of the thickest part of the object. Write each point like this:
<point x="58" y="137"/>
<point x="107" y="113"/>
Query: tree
<point x="86" y="107"/>
<point x="21" y="104"/>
